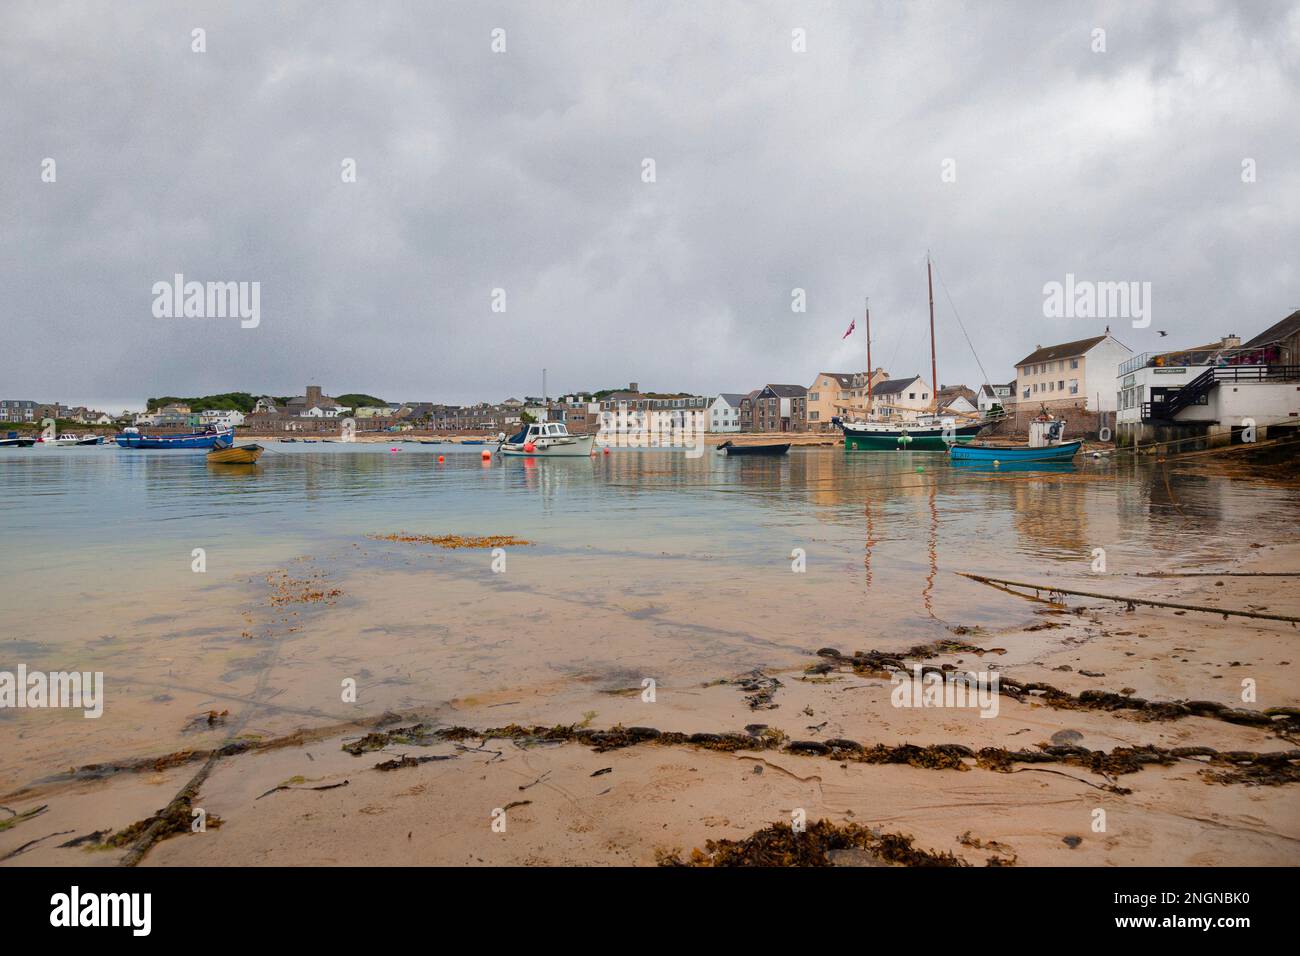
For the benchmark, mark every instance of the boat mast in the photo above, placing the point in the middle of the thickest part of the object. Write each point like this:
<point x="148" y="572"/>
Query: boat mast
<point x="934" y="370"/>
<point x="868" y="412"/>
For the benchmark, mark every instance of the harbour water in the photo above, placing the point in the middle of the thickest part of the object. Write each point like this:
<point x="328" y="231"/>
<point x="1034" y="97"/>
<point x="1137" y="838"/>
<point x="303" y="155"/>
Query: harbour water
<point x="638" y="563"/>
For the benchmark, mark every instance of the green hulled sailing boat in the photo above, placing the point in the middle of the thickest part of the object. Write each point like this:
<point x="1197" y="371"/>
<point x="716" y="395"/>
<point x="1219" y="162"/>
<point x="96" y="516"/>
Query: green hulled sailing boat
<point x="928" y="432"/>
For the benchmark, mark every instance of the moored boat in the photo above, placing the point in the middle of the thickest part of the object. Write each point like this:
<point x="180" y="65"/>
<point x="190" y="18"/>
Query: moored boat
<point x="58" y="441"/>
<point x="236" y="455"/>
<point x="211" y="438"/>
<point x="728" y="448"/>
<point x="917" y="436"/>
<point x="1046" y="444"/>
<point x="546" y="440"/>
<point x="1015" y="453"/>
<point x="928" y="432"/>
<point x="14" y="441"/>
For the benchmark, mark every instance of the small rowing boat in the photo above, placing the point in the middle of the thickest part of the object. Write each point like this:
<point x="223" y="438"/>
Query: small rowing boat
<point x="238" y="455"/>
<point x="727" y="448"/>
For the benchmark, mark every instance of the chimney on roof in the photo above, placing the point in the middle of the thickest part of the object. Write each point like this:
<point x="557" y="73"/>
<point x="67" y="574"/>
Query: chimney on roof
<point x="632" y="387"/>
<point x="1231" y="341"/>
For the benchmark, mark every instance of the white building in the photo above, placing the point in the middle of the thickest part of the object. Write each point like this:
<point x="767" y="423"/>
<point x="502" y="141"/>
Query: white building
<point x="960" y="406"/>
<point x="901" y="399"/>
<point x="1078" y="374"/>
<point x="327" y="411"/>
<point x="990" y="395"/>
<point x="221" y="418"/>
<point x="724" y="412"/>
<point x="1222" y="391"/>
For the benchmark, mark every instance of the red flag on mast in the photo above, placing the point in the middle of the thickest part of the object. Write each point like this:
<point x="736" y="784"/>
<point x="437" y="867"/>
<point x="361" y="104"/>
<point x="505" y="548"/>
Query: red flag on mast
<point x="852" y="325"/>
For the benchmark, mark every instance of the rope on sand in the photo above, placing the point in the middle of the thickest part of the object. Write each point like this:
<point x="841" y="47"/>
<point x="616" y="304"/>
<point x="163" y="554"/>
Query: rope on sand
<point x="1218" y="574"/>
<point x="1053" y="589"/>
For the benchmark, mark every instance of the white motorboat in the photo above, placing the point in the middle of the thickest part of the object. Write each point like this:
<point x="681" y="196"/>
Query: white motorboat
<point x="547" y="440"/>
<point x="60" y="441"/>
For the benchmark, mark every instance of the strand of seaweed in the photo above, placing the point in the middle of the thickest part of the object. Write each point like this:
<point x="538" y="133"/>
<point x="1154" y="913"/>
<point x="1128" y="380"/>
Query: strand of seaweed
<point x="1249" y="767"/>
<point x="1285" y="721"/>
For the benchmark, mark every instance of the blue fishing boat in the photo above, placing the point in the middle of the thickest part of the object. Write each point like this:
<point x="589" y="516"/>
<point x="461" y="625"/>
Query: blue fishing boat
<point x="1046" y="444"/>
<point x="208" y="439"/>
<point x="1009" y="454"/>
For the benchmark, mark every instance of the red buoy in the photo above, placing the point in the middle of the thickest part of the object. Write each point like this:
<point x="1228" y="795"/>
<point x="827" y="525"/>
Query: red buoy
<point x="529" y="447"/>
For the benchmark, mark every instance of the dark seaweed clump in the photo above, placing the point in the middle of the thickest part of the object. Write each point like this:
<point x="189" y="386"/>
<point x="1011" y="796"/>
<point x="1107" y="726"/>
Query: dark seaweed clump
<point x="780" y="845"/>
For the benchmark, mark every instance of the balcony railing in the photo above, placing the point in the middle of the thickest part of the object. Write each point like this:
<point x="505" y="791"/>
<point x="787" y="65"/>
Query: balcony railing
<point x="1191" y="358"/>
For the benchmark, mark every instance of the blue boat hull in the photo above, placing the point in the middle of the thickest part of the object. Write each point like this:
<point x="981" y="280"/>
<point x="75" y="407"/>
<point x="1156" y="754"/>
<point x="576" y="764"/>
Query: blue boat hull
<point x="991" y="453"/>
<point x="203" y="440"/>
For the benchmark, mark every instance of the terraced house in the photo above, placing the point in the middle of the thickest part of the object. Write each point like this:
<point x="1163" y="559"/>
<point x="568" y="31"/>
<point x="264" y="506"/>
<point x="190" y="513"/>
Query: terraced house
<point x="1078" y="374"/>
<point x="839" y="394"/>
<point x="781" y="408"/>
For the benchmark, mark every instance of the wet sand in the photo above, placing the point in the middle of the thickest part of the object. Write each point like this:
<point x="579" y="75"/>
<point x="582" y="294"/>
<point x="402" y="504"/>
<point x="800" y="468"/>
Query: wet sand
<point x="577" y="805"/>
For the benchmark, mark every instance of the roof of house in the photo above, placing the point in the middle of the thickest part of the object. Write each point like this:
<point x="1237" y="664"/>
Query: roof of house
<point x="894" y="386"/>
<point x="846" y="379"/>
<point x="987" y="389"/>
<point x="1063" y="351"/>
<point x="1276" y="333"/>
<point x="786" y="391"/>
<point x="322" y="402"/>
<point x="731" y="398"/>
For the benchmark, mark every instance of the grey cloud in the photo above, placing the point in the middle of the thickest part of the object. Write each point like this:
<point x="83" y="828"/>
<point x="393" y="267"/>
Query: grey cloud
<point x="775" y="170"/>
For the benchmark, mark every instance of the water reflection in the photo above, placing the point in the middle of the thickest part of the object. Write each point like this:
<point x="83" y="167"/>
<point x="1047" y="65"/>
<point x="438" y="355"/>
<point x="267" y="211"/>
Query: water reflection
<point x="75" y="506"/>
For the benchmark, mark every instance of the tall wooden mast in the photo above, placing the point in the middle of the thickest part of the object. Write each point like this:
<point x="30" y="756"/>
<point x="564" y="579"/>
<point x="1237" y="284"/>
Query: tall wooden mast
<point x="868" y="412"/>
<point x="934" y="369"/>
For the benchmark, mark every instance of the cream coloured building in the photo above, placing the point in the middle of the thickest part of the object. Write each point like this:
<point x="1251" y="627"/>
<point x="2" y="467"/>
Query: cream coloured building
<point x="1078" y="374"/>
<point x="839" y="393"/>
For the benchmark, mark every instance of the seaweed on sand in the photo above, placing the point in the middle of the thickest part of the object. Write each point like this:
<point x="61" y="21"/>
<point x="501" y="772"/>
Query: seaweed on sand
<point x="1255" y="770"/>
<point x="17" y="818"/>
<point x="176" y="817"/>
<point x="454" y="541"/>
<point x="1283" y="720"/>
<point x="1243" y="767"/>
<point x="780" y="845"/>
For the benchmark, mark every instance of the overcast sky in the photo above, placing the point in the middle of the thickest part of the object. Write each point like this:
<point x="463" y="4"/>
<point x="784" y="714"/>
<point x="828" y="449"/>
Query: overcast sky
<point x="522" y="170"/>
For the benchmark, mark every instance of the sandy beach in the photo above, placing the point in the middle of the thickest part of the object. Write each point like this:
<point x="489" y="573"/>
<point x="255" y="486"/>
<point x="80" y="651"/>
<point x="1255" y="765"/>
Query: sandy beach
<point x="801" y="728"/>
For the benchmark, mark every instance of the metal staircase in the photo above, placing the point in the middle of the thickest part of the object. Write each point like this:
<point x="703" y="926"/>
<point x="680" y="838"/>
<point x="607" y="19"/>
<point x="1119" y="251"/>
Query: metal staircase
<point x="1197" y="388"/>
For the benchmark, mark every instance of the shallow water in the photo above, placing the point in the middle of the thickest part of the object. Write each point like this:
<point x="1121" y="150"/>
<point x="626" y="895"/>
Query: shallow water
<point x="640" y="562"/>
